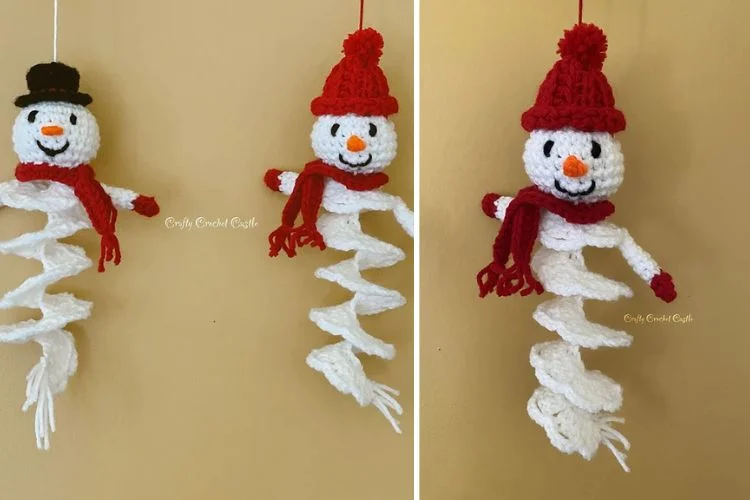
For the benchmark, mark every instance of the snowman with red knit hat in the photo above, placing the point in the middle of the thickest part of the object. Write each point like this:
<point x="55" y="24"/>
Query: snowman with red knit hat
<point x="354" y="141"/>
<point x="575" y="164"/>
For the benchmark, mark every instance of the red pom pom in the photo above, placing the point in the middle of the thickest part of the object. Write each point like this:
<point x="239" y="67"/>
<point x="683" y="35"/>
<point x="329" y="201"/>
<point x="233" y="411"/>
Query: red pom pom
<point x="365" y="45"/>
<point x="585" y="43"/>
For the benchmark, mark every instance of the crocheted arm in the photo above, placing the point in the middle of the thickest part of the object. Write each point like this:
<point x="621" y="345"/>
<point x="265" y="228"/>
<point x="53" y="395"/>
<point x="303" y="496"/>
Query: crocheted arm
<point x="376" y="200"/>
<point x="125" y="199"/>
<point x="646" y="267"/>
<point x="338" y="199"/>
<point x="3" y="194"/>
<point x="494" y="205"/>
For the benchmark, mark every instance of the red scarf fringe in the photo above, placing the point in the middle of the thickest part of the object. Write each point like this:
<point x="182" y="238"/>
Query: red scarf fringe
<point x="306" y="198"/>
<point x="517" y="237"/>
<point x="95" y="200"/>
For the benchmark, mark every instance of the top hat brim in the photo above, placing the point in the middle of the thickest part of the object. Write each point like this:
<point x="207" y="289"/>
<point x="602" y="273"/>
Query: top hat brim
<point x="53" y="96"/>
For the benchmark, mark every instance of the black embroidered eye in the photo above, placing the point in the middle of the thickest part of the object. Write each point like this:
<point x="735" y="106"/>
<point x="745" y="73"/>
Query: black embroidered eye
<point x="373" y="130"/>
<point x="548" y="148"/>
<point x="596" y="149"/>
<point x="334" y="129"/>
<point x="73" y="119"/>
<point x="32" y="116"/>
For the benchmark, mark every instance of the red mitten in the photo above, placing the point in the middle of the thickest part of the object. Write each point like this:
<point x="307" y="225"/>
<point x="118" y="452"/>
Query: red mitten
<point x="272" y="179"/>
<point x="146" y="205"/>
<point x="663" y="287"/>
<point x="488" y="204"/>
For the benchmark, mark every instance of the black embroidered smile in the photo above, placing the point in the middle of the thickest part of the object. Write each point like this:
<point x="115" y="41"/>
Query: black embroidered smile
<point x="580" y="193"/>
<point x="53" y="152"/>
<point x="355" y="165"/>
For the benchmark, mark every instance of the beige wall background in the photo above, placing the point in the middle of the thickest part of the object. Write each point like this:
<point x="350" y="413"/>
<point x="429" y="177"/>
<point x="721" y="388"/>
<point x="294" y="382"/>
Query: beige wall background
<point x="192" y="381"/>
<point x="680" y="72"/>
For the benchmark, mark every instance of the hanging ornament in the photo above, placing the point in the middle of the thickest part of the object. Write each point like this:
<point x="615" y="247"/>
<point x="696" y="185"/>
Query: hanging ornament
<point x="56" y="137"/>
<point x="354" y="141"/>
<point x="575" y="165"/>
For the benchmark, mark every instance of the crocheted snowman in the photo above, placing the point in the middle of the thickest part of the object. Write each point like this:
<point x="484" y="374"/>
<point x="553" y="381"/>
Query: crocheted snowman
<point x="55" y="137"/>
<point x="354" y="140"/>
<point x="575" y="164"/>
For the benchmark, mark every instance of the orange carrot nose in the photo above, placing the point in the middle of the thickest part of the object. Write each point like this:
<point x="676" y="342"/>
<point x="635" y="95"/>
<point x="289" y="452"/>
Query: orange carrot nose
<point x="573" y="167"/>
<point x="52" y="130"/>
<point x="355" y="144"/>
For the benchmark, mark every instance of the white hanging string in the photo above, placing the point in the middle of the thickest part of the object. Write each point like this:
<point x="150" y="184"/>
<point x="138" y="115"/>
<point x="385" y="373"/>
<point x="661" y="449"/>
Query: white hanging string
<point x="54" y="35"/>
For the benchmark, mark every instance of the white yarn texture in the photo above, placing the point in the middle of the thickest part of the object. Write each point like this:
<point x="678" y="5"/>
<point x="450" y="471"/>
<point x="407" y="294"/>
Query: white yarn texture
<point x="574" y="405"/>
<point x="65" y="217"/>
<point x="329" y="141"/>
<point x="81" y="139"/>
<point x="341" y="230"/>
<point x="605" y="170"/>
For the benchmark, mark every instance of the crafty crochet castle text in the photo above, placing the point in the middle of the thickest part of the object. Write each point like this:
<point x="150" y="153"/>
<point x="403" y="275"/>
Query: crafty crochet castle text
<point x="188" y="223"/>
<point x="640" y="319"/>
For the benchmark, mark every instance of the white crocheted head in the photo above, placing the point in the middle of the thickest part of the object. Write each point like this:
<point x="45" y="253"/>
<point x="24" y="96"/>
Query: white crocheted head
<point x="573" y="165"/>
<point x="57" y="133"/>
<point x="357" y="144"/>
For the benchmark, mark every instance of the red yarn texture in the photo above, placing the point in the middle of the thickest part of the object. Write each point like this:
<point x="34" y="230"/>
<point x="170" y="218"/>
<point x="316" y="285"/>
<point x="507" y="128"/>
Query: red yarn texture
<point x="272" y="180"/>
<point x="663" y="287"/>
<point x="357" y="84"/>
<point x="306" y="198"/>
<point x="575" y="93"/>
<point x="93" y="197"/>
<point x="518" y="235"/>
<point x="488" y="204"/>
<point x="146" y="205"/>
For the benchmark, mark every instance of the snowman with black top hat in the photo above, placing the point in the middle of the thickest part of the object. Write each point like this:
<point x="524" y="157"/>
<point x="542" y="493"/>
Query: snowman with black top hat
<point x="56" y="137"/>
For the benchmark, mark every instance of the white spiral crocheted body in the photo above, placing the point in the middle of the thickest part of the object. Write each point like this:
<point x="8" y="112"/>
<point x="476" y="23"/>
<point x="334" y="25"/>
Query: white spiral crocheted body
<point x="59" y="359"/>
<point x="576" y="406"/>
<point x="341" y="230"/>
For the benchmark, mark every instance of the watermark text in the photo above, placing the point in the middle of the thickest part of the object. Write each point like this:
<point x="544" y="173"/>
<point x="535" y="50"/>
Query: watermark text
<point x="642" y="319"/>
<point x="197" y="223"/>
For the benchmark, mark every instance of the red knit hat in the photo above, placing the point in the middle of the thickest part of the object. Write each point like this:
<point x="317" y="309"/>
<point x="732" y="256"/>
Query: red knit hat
<point x="575" y="92"/>
<point x="357" y="84"/>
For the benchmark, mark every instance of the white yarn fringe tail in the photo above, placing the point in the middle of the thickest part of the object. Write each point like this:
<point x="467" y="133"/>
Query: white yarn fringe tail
<point x="344" y="371"/>
<point x="59" y="358"/>
<point x="339" y="362"/>
<point x="38" y="392"/>
<point x="47" y="378"/>
<point x="610" y="434"/>
<point x="574" y="405"/>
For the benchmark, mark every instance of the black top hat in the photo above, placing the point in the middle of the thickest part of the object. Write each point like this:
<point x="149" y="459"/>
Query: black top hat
<point x="53" y="82"/>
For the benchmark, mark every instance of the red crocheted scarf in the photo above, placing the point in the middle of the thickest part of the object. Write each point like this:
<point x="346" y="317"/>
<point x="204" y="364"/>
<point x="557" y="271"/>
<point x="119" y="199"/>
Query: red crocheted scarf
<point x="518" y="235"/>
<point x="306" y="198"/>
<point x="95" y="200"/>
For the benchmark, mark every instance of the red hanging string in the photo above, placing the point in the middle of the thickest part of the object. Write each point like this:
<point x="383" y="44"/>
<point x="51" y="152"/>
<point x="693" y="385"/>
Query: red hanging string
<point x="361" y="13"/>
<point x="580" y="12"/>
